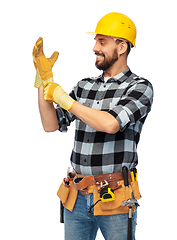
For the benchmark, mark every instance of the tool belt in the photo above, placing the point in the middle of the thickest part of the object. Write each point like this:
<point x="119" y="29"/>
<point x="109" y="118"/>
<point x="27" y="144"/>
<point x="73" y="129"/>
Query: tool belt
<point x="87" y="184"/>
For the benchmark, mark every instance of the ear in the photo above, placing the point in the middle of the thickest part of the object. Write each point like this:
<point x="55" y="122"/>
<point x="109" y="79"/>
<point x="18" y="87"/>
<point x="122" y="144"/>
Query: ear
<point x="122" y="48"/>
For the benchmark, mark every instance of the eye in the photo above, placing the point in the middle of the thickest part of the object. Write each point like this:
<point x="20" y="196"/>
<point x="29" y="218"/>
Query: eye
<point x="102" y="43"/>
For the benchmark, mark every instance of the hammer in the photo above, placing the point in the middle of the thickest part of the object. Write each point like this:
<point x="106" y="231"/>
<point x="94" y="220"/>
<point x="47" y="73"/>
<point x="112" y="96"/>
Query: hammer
<point x="128" y="203"/>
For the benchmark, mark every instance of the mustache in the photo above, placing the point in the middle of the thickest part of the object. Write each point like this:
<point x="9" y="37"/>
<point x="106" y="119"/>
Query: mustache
<point x="99" y="54"/>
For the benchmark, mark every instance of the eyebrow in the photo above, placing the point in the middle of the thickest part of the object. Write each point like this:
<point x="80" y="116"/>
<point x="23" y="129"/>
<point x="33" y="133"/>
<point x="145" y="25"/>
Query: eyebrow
<point x="100" y="39"/>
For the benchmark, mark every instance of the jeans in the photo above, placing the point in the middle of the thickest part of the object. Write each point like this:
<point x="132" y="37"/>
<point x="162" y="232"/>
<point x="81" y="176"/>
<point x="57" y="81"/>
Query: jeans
<point x="79" y="225"/>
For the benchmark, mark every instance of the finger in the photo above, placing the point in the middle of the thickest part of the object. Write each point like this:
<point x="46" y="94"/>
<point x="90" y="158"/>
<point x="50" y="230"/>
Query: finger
<point x="53" y="58"/>
<point x="39" y="44"/>
<point x="39" y="40"/>
<point x="38" y="47"/>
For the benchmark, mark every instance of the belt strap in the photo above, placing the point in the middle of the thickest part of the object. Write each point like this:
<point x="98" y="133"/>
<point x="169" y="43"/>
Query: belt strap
<point x="81" y="182"/>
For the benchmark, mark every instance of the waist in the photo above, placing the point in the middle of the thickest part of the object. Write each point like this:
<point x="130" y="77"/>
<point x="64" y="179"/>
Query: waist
<point x="82" y="182"/>
<point x="109" y="176"/>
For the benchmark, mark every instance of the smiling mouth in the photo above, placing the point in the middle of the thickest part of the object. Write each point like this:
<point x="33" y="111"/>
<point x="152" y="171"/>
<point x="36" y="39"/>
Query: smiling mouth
<point x="99" y="56"/>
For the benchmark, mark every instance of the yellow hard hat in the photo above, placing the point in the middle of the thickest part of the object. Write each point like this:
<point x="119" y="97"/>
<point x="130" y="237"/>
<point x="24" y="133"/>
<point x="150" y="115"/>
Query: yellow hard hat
<point x="117" y="25"/>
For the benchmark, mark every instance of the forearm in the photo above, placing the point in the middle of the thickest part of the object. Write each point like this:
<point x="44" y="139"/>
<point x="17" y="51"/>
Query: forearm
<point x="47" y="112"/>
<point x="99" y="120"/>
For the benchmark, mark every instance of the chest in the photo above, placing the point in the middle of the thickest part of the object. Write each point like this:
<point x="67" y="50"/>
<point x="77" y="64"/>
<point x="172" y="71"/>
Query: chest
<point x="99" y="95"/>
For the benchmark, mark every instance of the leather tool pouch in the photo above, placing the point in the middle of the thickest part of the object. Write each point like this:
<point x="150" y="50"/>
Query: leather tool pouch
<point x="121" y="194"/>
<point x="68" y="195"/>
<point x="135" y="190"/>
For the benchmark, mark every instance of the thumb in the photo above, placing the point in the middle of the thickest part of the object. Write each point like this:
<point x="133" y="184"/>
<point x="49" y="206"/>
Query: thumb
<point x="53" y="58"/>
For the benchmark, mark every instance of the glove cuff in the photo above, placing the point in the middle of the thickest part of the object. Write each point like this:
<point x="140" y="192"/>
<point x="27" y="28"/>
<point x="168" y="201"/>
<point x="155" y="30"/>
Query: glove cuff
<point x="66" y="101"/>
<point x="50" y="80"/>
<point x="62" y="98"/>
<point x="38" y="80"/>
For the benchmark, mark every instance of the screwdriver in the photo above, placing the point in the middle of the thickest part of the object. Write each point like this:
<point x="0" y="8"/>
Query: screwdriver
<point x="134" y="174"/>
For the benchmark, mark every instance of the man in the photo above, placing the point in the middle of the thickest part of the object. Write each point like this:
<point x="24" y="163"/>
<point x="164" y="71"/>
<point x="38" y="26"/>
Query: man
<point x="109" y="112"/>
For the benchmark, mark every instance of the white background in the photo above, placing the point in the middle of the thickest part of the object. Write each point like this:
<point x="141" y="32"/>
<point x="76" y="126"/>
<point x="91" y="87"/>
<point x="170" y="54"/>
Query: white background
<point x="32" y="162"/>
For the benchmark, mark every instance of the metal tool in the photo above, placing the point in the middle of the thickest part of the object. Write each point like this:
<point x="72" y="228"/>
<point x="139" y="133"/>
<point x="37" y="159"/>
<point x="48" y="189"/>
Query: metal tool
<point x="105" y="184"/>
<point x="66" y="181"/>
<point x="130" y="203"/>
<point x="61" y="212"/>
<point x="106" y="194"/>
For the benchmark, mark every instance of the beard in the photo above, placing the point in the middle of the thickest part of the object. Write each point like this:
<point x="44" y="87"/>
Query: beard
<point x="108" y="62"/>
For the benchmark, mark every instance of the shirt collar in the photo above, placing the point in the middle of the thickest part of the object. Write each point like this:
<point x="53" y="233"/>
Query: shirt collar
<point x="119" y="78"/>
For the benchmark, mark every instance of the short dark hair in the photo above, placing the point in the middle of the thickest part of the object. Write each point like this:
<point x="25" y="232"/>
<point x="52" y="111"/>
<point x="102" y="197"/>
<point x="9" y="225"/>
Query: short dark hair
<point x="129" y="45"/>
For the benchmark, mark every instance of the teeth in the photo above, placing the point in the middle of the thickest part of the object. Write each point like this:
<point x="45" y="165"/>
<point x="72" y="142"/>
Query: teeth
<point x="99" y="56"/>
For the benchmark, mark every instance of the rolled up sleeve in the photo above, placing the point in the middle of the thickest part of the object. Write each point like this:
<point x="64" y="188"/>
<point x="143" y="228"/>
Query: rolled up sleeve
<point x="64" y="119"/>
<point x="134" y="105"/>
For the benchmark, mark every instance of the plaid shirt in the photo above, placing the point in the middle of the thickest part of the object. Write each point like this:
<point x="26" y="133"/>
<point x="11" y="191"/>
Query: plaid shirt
<point x="128" y="98"/>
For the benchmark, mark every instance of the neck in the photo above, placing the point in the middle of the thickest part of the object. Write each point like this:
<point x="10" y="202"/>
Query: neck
<point x="116" y="68"/>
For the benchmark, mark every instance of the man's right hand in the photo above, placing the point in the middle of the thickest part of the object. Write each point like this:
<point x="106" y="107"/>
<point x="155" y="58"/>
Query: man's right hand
<point x="42" y="64"/>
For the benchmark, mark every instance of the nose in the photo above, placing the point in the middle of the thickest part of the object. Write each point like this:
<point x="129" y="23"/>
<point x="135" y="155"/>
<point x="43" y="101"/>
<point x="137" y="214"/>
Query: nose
<point x="96" y="48"/>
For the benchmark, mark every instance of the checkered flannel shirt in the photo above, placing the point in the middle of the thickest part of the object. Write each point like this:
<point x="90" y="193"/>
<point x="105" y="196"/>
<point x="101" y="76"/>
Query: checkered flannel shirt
<point x="128" y="98"/>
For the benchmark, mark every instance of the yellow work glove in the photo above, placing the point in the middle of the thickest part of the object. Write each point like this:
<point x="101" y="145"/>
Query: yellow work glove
<point x="53" y="92"/>
<point x="42" y="64"/>
<point x="38" y="80"/>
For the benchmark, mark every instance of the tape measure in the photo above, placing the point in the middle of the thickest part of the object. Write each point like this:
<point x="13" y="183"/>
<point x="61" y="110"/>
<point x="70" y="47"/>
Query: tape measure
<point x="107" y="195"/>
